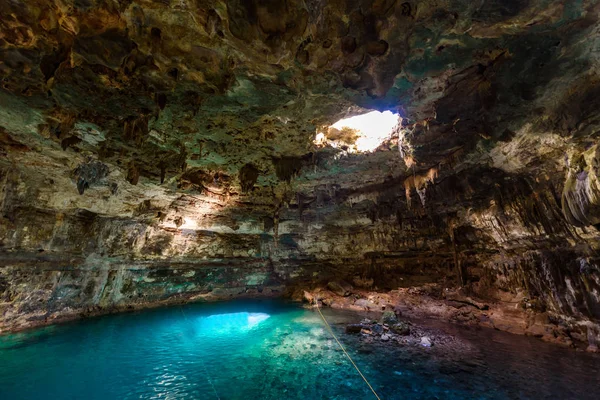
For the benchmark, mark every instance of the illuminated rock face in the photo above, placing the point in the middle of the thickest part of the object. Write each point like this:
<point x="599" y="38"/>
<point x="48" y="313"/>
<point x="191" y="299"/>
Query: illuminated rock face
<point x="154" y="151"/>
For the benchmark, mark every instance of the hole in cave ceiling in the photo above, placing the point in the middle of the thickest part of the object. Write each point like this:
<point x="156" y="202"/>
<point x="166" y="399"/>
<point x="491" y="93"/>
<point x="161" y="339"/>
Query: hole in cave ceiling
<point x="361" y="133"/>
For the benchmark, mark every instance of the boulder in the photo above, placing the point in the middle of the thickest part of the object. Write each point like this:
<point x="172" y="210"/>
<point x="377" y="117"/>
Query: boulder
<point x="400" y="328"/>
<point x="389" y="317"/>
<point x="378" y="329"/>
<point x="340" y="288"/>
<point x="398" y="311"/>
<point x="353" y="328"/>
<point x="364" y="303"/>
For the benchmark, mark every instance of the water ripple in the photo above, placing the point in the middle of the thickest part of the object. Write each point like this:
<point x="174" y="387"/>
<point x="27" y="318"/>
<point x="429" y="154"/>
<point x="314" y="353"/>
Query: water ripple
<point x="274" y="351"/>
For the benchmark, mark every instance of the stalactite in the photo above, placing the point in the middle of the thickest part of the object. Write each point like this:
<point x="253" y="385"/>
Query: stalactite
<point x="287" y="167"/>
<point x="133" y="173"/>
<point x="182" y="158"/>
<point x="163" y="171"/>
<point x="419" y="183"/>
<point x="581" y="194"/>
<point x="248" y="176"/>
<point x="457" y="263"/>
<point x="135" y="129"/>
<point x="276" y="226"/>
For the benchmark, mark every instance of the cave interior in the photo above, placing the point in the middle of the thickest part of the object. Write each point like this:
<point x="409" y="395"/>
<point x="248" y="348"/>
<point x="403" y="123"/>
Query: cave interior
<point x="169" y="152"/>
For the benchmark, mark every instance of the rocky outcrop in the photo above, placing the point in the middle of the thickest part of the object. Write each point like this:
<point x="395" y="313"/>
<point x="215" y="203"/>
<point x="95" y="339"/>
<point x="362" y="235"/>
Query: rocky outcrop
<point x="162" y="151"/>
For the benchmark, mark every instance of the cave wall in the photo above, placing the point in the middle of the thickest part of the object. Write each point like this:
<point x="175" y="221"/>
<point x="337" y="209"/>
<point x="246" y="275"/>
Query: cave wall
<point x="164" y="151"/>
<point x="507" y="242"/>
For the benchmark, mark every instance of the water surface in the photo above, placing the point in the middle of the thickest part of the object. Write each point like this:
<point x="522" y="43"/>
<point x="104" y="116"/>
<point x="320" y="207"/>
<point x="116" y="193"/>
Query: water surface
<point x="273" y="350"/>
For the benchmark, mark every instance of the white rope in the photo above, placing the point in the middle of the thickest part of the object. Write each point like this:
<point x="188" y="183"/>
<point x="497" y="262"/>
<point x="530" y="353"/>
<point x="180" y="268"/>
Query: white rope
<point x="202" y="363"/>
<point x="344" y="350"/>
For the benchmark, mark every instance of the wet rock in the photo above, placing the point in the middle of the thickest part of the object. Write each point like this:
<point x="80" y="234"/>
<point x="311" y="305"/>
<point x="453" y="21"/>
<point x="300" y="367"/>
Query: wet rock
<point x="308" y="297"/>
<point x="366" y="304"/>
<point x="385" y="337"/>
<point x="377" y="329"/>
<point x="389" y="317"/>
<point x="398" y="311"/>
<point x="592" y="348"/>
<point x="327" y="301"/>
<point x="400" y="328"/>
<point x="354" y="328"/>
<point x="426" y="342"/>
<point x="340" y="288"/>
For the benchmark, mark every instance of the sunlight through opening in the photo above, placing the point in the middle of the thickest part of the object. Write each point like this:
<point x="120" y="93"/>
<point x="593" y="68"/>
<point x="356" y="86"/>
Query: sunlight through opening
<point x="360" y="133"/>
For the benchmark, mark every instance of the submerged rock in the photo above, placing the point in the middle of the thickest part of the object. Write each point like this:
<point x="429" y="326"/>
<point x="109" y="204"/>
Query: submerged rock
<point x="400" y="328"/>
<point x="354" y="328"/>
<point x="377" y="329"/>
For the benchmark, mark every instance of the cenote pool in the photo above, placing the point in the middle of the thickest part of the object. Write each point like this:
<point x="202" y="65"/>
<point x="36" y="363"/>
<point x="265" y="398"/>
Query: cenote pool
<point x="274" y="350"/>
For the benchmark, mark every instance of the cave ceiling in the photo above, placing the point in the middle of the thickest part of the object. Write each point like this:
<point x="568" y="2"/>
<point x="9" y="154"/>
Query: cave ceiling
<point x="120" y="107"/>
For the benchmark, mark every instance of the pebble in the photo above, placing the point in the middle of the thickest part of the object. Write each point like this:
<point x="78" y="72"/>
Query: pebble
<point x="385" y="337"/>
<point x="426" y="342"/>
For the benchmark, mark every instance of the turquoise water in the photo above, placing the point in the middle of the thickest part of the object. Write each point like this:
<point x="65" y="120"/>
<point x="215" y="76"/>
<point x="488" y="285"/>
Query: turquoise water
<point x="272" y="350"/>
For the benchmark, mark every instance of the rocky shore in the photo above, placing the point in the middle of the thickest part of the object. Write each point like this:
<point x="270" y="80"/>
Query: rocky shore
<point x="397" y="308"/>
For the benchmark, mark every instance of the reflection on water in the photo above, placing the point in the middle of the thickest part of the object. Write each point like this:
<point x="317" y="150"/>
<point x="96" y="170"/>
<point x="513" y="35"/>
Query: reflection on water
<point x="272" y="350"/>
<point x="234" y="323"/>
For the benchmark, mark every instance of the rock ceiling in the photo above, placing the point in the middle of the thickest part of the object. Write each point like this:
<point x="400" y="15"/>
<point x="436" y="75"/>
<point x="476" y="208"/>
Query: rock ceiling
<point x="226" y="96"/>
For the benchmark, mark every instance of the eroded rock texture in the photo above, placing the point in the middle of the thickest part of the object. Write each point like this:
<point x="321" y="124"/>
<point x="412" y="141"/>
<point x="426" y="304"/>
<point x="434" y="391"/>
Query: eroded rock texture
<point x="153" y="150"/>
